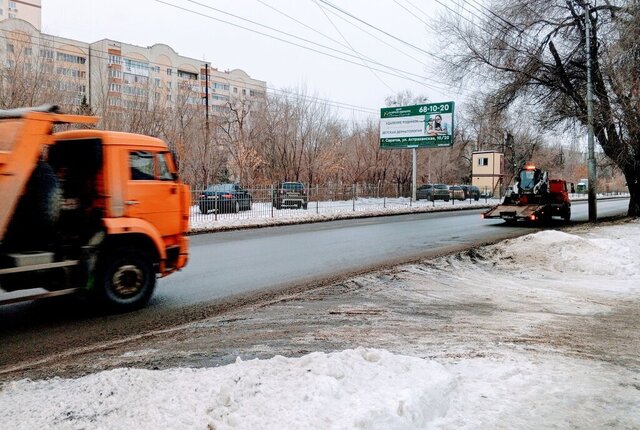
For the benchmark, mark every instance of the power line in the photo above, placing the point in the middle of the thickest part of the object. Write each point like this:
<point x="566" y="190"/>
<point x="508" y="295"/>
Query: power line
<point x="299" y="45"/>
<point x="381" y="31"/>
<point x="351" y="46"/>
<point x="339" y="16"/>
<point x="345" y="45"/>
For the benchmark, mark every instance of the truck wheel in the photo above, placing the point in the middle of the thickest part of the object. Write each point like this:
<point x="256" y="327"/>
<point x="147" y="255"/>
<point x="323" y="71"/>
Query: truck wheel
<point x="567" y="215"/>
<point x="126" y="280"/>
<point x="236" y="207"/>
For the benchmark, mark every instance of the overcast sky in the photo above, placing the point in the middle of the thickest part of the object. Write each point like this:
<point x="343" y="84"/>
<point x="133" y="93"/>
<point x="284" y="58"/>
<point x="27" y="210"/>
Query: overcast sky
<point x="281" y="65"/>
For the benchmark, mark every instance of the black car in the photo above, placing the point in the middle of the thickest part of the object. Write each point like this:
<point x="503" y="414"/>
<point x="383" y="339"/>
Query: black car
<point x="290" y="194"/>
<point x="433" y="192"/>
<point x="224" y="198"/>
<point x="471" y="192"/>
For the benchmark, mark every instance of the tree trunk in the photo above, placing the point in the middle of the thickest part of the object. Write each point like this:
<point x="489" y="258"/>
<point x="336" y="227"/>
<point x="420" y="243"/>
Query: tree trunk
<point x="632" y="175"/>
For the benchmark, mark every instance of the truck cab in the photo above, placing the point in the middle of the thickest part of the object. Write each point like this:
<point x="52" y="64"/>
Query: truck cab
<point x="88" y="210"/>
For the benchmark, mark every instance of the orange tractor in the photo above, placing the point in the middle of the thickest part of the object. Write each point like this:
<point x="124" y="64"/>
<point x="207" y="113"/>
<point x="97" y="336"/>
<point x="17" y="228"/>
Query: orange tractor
<point x="534" y="197"/>
<point x="86" y="210"/>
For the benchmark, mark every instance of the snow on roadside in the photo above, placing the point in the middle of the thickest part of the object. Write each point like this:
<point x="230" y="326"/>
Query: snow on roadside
<point x="262" y="214"/>
<point x="549" y="274"/>
<point x="363" y="388"/>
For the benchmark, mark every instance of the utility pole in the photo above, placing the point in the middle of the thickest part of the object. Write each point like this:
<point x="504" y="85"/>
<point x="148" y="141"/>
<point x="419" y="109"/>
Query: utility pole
<point x="206" y="124"/>
<point x="593" y="214"/>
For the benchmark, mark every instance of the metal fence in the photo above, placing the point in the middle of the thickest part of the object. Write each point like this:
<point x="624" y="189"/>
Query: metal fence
<point x="325" y="200"/>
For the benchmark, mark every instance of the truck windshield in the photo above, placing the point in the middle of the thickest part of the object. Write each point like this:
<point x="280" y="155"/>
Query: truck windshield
<point x="527" y="179"/>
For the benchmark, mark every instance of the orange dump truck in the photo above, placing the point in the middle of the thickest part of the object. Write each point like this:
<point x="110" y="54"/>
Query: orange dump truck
<point x="86" y="210"/>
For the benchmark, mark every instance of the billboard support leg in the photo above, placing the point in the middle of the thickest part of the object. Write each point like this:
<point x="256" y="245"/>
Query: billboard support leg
<point x="413" y="174"/>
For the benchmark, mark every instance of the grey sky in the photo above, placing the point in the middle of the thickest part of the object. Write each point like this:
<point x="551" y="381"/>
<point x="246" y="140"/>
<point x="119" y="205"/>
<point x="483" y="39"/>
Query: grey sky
<point x="145" y="22"/>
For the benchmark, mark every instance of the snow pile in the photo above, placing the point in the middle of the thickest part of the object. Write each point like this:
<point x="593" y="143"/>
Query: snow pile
<point x="554" y="252"/>
<point x="363" y="388"/>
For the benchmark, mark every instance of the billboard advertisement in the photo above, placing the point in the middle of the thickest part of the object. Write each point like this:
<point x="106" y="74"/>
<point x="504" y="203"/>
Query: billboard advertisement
<point x="418" y="126"/>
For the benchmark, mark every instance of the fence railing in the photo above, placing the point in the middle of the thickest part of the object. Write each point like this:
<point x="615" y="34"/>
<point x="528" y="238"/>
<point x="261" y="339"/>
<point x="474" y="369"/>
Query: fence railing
<point x="260" y="205"/>
<point x="263" y="202"/>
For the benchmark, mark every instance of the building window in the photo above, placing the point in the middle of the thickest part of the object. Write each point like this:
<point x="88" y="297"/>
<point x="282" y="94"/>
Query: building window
<point x="244" y="92"/>
<point x="116" y="88"/>
<point x="169" y="71"/>
<point x="219" y="86"/>
<point x="155" y="69"/>
<point x="483" y="161"/>
<point x="115" y="74"/>
<point x="13" y="5"/>
<point x="136" y="67"/>
<point x="115" y="59"/>
<point x="235" y="90"/>
<point x="71" y="72"/>
<point x="156" y="82"/>
<point x="28" y="51"/>
<point x="168" y="97"/>
<point x="187" y="75"/>
<point x="69" y="58"/>
<point x="47" y="54"/>
<point x="12" y="15"/>
<point x="10" y="48"/>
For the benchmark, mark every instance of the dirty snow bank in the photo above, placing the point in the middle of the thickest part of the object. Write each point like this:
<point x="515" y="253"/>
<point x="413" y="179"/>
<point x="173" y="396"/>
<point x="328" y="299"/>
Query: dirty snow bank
<point x="363" y="388"/>
<point x="483" y="372"/>
<point x="604" y="258"/>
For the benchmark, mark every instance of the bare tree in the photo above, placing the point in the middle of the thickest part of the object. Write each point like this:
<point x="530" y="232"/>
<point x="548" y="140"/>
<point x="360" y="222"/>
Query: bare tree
<point x="534" y="51"/>
<point x="29" y="77"/>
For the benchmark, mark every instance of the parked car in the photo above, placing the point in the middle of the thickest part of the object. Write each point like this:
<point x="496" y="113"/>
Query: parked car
<point x="224" y="198"/>
<point x="456" y="192"/>
<point x="471" y="192"/>
<point x="433" y="192"/>
<point x="290" y="194"/>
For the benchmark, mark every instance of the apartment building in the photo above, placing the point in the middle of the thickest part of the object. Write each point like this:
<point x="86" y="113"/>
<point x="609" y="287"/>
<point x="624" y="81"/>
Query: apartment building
<point x="114" y="75"/>
<point x="41" y="67"/>
<point x="27" y="10"/>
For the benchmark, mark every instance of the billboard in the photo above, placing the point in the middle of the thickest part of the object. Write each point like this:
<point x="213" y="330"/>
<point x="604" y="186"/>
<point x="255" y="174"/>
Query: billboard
<point x="418" y="126"/>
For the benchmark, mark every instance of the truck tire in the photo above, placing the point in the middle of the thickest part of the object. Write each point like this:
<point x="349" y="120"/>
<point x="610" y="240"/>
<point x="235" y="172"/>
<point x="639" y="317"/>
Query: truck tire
<point x="38" y="211"/>
<point x="125" y="280"/>
<point x="566" y="216"/>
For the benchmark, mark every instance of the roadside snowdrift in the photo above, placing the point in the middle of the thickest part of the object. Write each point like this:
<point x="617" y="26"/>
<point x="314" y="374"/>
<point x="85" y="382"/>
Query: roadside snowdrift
<point x="506" y="348"/>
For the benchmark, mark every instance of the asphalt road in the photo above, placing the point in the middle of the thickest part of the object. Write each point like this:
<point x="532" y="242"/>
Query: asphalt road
<point x="224" y="266"/>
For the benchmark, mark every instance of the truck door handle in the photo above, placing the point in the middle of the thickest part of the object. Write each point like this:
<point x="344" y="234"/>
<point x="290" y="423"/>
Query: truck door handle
<point x="132" y="202"/>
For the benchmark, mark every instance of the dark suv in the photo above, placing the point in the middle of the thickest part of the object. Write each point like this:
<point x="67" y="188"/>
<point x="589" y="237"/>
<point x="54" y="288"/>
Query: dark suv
<point x="471" y="192"/>
<point x="433" y="192"/>
<point x="290" y="194"/>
